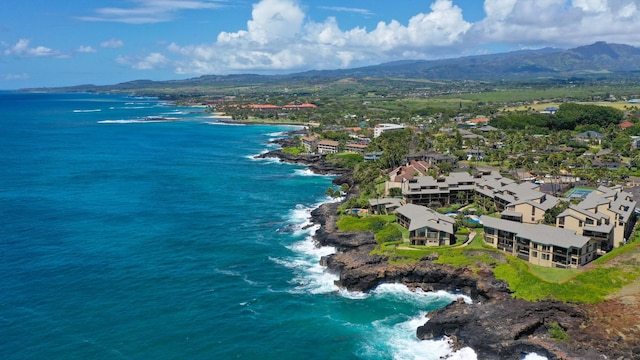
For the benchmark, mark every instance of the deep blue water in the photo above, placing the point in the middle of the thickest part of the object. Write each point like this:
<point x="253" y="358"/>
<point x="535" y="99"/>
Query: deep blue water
<point x="129" y="239"/>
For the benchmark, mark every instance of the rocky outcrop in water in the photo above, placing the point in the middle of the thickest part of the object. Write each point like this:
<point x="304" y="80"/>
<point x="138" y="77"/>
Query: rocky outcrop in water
<point x="495" y="325"/>
<point x="316" y="163"/>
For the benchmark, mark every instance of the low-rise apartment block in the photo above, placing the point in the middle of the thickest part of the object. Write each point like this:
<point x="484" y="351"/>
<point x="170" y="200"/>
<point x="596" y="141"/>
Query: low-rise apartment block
<point x="426" y="227"/>
<point x="328" y="147"/>
<point x="607" y="215"/>
<point x="540" y="244"/>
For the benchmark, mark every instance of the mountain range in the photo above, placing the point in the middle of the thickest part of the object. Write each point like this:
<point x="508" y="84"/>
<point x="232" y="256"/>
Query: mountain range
<point x="599" y="58"/>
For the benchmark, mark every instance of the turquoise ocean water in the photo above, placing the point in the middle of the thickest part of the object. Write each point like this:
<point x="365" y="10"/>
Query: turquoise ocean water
<point x="129" y="239"/>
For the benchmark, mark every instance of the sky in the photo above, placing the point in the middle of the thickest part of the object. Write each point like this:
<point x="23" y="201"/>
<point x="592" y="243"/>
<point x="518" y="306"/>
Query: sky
<point x="45" y="43"/>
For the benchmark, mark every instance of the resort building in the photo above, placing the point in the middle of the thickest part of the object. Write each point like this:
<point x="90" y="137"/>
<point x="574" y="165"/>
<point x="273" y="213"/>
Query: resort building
<point x="328" y="147"/>
<point x="355" y="148"/>
<point x="426" y="227"/>
<point x="522" y="202"/>
<point x="540" y="244"/>
<point x="381" y="128"/>
<point x="606" y="214"/>
<point x="432" y="157"/>
<point x="456" y="188"/>
<point x="384" y="206"/>
<point x="309" y="143"/>
<point x="373" y="156"/>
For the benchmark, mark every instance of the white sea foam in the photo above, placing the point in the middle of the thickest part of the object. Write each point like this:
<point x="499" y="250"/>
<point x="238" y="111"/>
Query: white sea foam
<point x="128" y="121"/>
<point x="534" y="356"/>
<point x="87" y="111"/>
<point x="398" y="341"/>
<point x="277" y="134"/>
<point x="266" y="160"/>
<point x="309" y="275"/>
<point x="403" y="293"/>
<point x="307" y="172"/>
<point x="222" y="123"/>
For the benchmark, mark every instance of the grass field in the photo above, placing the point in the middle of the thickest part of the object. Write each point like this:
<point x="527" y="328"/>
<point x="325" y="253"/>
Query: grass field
<point x="620" y="105"/>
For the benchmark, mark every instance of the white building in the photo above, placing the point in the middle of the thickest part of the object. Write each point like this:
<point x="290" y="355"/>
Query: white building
<point x="380" y="128"/>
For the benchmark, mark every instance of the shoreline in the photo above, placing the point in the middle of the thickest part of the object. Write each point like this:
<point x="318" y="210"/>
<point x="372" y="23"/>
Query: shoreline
<point x="228" y="120"/>
<point x="495" y="326"/>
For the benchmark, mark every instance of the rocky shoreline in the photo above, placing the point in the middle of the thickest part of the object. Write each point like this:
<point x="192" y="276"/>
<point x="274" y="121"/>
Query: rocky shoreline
<point x="495" y="326"/>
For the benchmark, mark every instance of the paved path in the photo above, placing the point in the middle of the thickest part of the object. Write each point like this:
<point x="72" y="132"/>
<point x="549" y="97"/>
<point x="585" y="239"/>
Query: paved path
<point x="472" y="235"/>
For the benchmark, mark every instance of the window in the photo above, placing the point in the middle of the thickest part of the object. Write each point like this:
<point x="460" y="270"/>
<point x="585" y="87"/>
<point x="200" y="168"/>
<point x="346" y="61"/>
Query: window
<point x="534" y="254"/>
<point x="545" y="256"/>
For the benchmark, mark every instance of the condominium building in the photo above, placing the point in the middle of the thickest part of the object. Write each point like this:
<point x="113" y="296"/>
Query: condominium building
<point x="426" y="227"/>
<point x="606" y="214"/>
<point x="540" y="244"/>
<point x="328" y="147"/>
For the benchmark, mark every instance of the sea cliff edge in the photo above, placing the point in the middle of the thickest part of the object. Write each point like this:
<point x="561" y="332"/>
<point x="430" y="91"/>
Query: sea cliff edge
<point x="495" y="325"/>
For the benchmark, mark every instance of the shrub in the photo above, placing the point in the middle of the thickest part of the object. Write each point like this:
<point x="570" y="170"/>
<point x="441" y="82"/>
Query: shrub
<point x="557" y="332"/>
<point x="352" y="223"/>
<point x="390" y="233"/>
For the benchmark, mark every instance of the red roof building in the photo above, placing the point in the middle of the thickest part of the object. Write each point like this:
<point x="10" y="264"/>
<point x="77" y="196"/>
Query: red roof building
<point x="625" y="124"/>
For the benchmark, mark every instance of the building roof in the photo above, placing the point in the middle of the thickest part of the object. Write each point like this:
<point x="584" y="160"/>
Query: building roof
<point x="590" y="134"/>
<point x="421" y="216"/>
<point x="386" y="202"/>
<point x="328" y="143"/>
<point x="625" y="124"/>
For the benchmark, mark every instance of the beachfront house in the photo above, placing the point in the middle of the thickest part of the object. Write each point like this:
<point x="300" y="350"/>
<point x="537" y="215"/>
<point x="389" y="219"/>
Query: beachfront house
<point x="539" y="244"/>
<point x="426" y="227"/>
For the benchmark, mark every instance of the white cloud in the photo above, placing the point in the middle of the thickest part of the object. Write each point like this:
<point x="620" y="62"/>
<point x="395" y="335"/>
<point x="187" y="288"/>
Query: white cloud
<point x="21" y="76"/>
<point x="346" y="9"/>
<point x="597" y="6"/>
<point x="22" y="48"/>
<point x="562" y="23"/>
<point x="152" y="61"/>
<point x="277" y="38"/>
<point x="85" y="49"/>
<point x="149" y="11"/>
<point x="112" y="43"/>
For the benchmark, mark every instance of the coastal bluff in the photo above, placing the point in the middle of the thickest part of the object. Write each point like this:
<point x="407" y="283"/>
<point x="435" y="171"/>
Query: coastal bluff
<point x="495" y="325"/>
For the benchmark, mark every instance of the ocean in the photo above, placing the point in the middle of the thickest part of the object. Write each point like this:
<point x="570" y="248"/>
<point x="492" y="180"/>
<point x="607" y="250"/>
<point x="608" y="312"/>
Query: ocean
<point x="124" y="237"/>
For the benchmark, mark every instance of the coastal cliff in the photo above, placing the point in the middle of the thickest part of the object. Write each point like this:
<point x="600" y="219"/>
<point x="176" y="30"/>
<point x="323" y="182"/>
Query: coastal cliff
<point x="495" y="325"/>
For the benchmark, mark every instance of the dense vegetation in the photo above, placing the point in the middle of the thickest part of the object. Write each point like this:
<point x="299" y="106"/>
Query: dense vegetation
<point x="568" y="117"/>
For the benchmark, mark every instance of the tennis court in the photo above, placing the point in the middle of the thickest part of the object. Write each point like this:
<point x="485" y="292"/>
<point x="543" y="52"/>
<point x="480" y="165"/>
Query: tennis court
<point x="578" y="193"/>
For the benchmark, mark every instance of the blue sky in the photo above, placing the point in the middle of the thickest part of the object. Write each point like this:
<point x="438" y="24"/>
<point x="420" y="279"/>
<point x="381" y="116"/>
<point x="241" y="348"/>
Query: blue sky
<point x="59" y="43"/>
